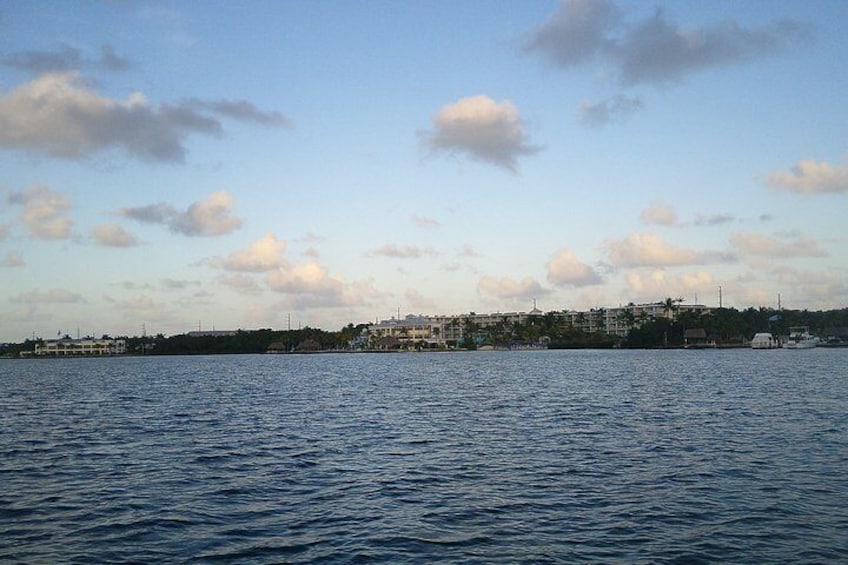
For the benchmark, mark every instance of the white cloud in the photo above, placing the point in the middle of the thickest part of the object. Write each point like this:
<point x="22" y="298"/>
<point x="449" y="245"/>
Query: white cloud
<point x="57" y="114"/>
<point x="262" y="255"/>
<point x="44" y="211"/>
<point x="508" y="288"/>
<point x="648" y="250"/>
<point x="811" y="177"/>
<point x="309" y="285"/>
<point x="12" y="260"/>
<point x="113" y="235"/>
<point x="208" y="217"/>
<point x="303" y="278"/>
<point x="405" y="252"/>
<point x="660" y="214"/>
<point x="481" y="128"/>
<point x="565" y="268"/>
<point x="790" y="244"/>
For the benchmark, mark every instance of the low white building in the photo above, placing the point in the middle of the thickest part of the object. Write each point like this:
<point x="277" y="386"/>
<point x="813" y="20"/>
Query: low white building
<point x="80" y="347"/>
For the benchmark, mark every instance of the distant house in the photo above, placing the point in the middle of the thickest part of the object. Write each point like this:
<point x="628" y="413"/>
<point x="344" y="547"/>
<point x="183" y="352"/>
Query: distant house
<point x="277" y="347"/>
<point x="80" y="347"/>
<point x="308" y="345"/>
<point x="388" y="342"/>
<point x="696" y="337"/>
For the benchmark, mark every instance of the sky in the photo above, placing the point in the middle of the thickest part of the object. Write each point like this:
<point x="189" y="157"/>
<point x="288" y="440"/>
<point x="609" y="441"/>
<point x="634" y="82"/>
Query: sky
<point x="173" y="166"/>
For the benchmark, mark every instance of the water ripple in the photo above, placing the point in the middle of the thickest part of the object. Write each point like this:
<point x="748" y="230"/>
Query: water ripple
<point x="542" y="457"/>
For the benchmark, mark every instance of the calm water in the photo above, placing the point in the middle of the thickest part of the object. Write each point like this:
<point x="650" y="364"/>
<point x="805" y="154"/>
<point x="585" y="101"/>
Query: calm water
<point x="533" y="457"/>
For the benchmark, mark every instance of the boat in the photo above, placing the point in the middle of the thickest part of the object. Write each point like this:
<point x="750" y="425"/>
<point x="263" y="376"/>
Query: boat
<point x="800" y="338"/>
<point x="764" y="340"/>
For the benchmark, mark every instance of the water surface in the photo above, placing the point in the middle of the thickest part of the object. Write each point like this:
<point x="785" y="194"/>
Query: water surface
<point x="544" y="457"/>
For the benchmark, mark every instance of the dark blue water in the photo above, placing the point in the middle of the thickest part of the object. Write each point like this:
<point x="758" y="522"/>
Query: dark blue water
<point x="532" y="457"/>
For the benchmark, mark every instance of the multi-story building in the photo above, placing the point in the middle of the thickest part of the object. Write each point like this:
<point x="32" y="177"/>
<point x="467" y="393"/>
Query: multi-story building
<point x="618" y="320"/>
<point x="449" y="330"/>
<point x="73" y="347"/>
<point x="444" y="330"/>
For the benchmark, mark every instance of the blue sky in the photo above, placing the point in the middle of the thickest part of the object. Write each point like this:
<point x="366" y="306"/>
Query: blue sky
<point x="175" y="165"/>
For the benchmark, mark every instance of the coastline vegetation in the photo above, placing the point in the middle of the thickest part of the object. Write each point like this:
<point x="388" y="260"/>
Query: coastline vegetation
<point x="726" y="327"/>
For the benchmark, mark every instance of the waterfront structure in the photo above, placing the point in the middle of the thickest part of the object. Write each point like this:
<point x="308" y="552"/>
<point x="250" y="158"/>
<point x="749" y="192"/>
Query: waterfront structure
<point x="80" y="347"/>
<point x="764" y="340"/>
<point x="441" y="330"/>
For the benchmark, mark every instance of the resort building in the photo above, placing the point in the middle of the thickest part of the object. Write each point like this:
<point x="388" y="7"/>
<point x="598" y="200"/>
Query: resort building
<point x="439" y="331"/>
<point x="80" y="347"/>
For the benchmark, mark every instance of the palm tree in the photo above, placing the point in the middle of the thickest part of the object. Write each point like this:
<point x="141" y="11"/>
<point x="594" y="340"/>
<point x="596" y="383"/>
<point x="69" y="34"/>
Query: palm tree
<point x="581" y="319"/>
<point x="670" y="306"/>
<point x="626" y="319"/>
<point x="600" y="314"/>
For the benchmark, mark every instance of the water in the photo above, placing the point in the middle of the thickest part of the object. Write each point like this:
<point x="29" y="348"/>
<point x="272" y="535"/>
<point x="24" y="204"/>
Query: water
<point x="532" y="457"/>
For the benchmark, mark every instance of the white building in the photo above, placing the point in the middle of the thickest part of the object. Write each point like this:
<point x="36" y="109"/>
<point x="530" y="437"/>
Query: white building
<point x="444" y="330"/>
<point x="87" y="346"/>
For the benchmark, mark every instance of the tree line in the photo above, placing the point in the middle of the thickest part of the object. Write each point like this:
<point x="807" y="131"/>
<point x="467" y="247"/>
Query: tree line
<point x="726" y="326"/>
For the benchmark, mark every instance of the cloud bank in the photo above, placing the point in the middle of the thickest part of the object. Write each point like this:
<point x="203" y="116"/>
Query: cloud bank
<point x="787" y="245"/>
<point x="58" y="115"/>
<point x="648" y="250"/>
<point x="63" y="59"/>
<point x="654" y="50"/>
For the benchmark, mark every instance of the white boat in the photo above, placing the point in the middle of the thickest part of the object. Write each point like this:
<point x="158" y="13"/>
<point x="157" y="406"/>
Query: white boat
<point x="764" y="340"/>
<point x="800" y="338"/>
